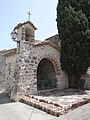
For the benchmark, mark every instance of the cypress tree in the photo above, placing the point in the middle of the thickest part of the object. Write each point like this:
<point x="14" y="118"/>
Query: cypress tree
<point x="74" y="32"/>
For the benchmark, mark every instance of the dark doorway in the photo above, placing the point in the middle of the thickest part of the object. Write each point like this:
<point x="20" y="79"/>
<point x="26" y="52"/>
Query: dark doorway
<point x="46" y="76"/>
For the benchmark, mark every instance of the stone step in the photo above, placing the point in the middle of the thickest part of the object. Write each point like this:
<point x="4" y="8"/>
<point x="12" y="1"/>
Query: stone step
<point x="50" y="108"/>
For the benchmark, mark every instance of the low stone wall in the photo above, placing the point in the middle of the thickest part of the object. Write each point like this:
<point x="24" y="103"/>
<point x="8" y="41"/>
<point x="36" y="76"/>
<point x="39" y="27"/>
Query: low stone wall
<point x="10" y="76"/>
<point x="2" y="72"/>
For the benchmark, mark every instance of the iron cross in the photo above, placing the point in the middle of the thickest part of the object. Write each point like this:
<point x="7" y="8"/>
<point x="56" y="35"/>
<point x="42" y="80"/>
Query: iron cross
<point x="29" y="15"/>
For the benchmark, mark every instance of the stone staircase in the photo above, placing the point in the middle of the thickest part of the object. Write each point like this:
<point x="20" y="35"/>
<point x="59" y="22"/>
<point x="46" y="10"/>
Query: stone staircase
<point x="49" y="107"/>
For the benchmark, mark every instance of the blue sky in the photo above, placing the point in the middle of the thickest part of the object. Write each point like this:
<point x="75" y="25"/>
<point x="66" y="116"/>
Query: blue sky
<point x="13" y="12"/>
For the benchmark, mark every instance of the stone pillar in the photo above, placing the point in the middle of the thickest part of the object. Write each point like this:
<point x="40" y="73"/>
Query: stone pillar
<point x="24" y="80"/>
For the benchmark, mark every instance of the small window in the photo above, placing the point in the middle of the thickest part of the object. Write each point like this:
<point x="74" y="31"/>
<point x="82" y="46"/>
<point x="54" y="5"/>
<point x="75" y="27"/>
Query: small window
<point x="27" y="34"/>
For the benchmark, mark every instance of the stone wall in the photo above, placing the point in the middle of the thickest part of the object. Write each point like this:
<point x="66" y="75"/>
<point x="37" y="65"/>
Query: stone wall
<point x="10" y="76"/>
<point x="53" y="55"/>
<point x="28" y="64"/>
<point x="2" y="72"/>
<point x="54" y="39"/>
<point x="86" y="77"/>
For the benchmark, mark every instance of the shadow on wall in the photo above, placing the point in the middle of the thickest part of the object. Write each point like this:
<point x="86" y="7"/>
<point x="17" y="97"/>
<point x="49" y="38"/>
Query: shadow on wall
<point x="4" y="99"/>
<point x="46" y="76"/>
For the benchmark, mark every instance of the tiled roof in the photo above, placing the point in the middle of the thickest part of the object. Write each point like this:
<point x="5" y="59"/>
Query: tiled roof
<point x="47" y="43"/>
<point x="20" y="24"/>
<point x="10" y="52"/>
<point x="37" y="43"/>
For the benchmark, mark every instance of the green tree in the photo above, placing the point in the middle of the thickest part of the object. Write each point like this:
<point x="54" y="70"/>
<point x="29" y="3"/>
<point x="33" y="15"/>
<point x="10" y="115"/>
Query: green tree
<point x="73" y="29"/>
<point x="78" y="5"/>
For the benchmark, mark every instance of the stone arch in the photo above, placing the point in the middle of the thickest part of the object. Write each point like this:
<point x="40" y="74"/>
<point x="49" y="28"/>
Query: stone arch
<point x="54" y="62"/>
<point x="55" y="65"/>
<point x="46" y="76"/>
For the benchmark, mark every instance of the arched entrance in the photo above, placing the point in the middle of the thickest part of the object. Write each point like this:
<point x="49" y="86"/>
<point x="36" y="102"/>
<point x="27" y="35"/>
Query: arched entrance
<point x="46" y="76"/>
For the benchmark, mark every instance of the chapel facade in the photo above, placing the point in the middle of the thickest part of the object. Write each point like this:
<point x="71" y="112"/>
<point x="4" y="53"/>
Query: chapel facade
<point x="36" y="64"/>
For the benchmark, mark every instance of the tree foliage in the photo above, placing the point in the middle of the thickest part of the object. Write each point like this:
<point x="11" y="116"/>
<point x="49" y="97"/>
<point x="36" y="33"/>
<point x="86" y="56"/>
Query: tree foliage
<point x="73" y="29"/>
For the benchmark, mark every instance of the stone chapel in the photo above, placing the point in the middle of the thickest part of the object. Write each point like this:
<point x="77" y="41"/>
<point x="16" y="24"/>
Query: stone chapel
<point x="34" y="65"/>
